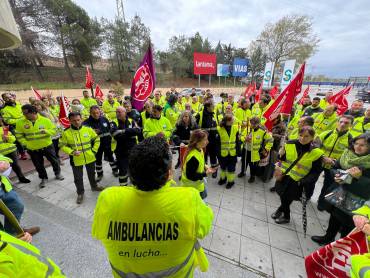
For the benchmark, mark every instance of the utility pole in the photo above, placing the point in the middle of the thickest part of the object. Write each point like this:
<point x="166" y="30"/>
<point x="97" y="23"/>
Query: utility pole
<point x="120" y="11"/>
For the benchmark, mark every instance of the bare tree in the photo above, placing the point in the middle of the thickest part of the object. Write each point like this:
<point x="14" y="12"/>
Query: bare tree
<point x="291" y="37"/>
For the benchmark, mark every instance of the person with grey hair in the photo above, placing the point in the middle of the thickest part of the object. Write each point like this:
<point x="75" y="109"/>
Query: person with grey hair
<point x="125" y="132"/>
<point x="185" y="125"/>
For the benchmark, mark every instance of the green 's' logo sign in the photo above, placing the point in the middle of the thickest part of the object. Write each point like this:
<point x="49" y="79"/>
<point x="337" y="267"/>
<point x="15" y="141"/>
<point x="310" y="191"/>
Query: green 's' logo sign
<point x="267" y="76"/>
<point x="287" y="75"/>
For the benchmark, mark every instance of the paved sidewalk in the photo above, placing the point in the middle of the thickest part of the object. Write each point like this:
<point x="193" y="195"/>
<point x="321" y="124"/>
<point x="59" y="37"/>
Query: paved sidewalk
<point x="243" y="236"/>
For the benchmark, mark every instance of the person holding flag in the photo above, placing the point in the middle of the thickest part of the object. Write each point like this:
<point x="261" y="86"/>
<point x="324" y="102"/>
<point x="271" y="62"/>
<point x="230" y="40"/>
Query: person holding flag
<point x="326" y="101"/>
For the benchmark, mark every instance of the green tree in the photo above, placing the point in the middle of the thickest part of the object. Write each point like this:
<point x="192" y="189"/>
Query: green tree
<point x="257" y="61"/>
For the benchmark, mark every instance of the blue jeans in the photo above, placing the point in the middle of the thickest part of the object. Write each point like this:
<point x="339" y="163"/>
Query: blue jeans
<point x="15" y="205"/>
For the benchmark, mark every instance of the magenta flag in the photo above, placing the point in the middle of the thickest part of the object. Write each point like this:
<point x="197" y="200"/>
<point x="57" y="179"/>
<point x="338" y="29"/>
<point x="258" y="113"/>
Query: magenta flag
<point x="143" y="83"/>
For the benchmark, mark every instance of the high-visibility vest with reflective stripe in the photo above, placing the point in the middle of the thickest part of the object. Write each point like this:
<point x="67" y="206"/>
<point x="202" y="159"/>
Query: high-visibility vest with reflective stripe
<point x="6" y="183"/>
<point x="334" y="145"/>
<point x="294" y="134"/>
<point x="23" y="260"/>
<point x="35" y="135"/>
<point x="84" y="140"/>
<point x="154" y="126"/>
<point x="114" y="142"/>
<point x="199" y="155"/>
<point x="323" y="123"/>
<point x="172" y="115"/>
<point x="258" y="137"/>
<point x="11" y="114"/>
<point x="88" y="102"/>
<point x="358" y="127"/>
<point x="160" y="102"/>
<point x="243" y="115"/>
<point x="152" y="233"/>
<point x="110" y="109"/>
<point x="228" y="142"/>
<point x="360" y="266"/>
<point x="304" y="165"/>
<point x="196" y="106"/>
<point x="8" y="146"/>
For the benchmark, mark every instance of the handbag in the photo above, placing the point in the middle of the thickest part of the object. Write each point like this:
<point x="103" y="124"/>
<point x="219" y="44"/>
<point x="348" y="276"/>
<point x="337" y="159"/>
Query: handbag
<point x="344" y="200"/>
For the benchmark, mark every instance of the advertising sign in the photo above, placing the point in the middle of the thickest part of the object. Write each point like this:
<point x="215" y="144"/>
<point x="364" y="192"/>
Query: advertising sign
<point x="204" y="63"/>
<point x="287" y="73"/>
<point x="240" y="67"/>
<point x="267" y="76"/>
<point x="223" y="70"/>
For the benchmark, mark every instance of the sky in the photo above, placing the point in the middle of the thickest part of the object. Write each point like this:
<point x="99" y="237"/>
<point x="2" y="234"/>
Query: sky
<point x="343" y="26"/>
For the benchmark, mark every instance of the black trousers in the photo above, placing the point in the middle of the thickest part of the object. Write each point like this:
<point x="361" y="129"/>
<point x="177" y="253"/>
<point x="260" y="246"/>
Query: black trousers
<point x="78" y="176"/>
<point x="107" y="151"/>
<point x="15" y="166"/>
<point x="339" y="225"/>
<point x="56" y="146"/>
<point x="328" y="181"/>
<point x="246" y="160"/>
<point x="285" y="205"/>
<point x="228" y="163"/>
<point x="211" y="151"/>
<point x="122" y="164"/>
<point x="37" y="157"/>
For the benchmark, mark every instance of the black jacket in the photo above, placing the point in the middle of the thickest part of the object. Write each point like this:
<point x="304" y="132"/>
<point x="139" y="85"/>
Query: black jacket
<point x="101" y="124"/>
<point x="125" y="133"/>
<point x="181" y="134"/>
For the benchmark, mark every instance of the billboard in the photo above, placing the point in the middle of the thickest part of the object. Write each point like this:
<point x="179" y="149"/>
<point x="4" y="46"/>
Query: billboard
<point x="269" y="70"/>
<point x="287" y="73"/>
<point x="240" y="67"/>
<point x="204" y="63"/>
<point x="223" y="70"/>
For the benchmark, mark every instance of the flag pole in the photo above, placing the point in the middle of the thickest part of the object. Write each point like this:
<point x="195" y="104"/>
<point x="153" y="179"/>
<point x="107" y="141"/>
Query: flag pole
<point x="198" y="80"/>
<point x="92" y="91"/>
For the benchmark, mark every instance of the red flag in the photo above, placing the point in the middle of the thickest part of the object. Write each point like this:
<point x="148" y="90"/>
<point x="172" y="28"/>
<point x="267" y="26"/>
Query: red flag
<point x="258" y="94"/>
<point x="305" y="94"/>
<point x="274" y="91"/>
<point x="340" y="100"/>
<point x="36" y="93"/>
<point x="251" y="88"/>
<point x="333" y="260"/>
<point x="98" y="92"/>
<point x="64" y="112"/>
<point x="143" y="82"/>
<point x="89" y="79"/>
<point x="284" y="102"/>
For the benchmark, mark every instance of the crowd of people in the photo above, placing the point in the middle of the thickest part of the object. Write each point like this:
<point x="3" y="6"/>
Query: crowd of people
<point x="138" y="145"/>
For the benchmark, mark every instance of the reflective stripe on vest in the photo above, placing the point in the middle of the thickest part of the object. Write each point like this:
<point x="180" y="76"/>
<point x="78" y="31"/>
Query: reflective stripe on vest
<point x="363" y="271"/>
<point x="162" y="273"/>
<point x="228" y="142"/>
<point x="8" y="150"/>
<point x="42" y="259"/>
<point x="199" y="184"/>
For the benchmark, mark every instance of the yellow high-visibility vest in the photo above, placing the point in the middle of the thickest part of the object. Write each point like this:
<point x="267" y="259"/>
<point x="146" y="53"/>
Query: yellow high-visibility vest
<point x="228" y="143"/>
<point x="199" y="155"/>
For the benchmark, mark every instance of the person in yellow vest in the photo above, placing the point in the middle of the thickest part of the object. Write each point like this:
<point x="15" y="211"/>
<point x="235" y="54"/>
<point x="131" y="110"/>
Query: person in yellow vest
<point x="243" y="113"/>
<point x="326" y="120"/>
<point x="151" y="228"/>
<point x="304" y="121"/>
<point x="352" y="174"/>
<point x="158" y="99"/>
<point x="170" y="111"/>
<point x="77" y="107"/>
<point x="87" y="101"/>
<point x="207" y="120"/>
<point x="195" y="104"/>
<point x="110" y="106"/>
<point x="157" y="124"/>
<point x="300" y="167"/>
<point x="51" y="105"/>
<point x="326" y="101"/>
<point x="361" y="124"/>
<point x="11" y="113"/>
<point x="313" y="108"/>
<point x="81" y="143"/>
<point x="297" y="114"/>
<point x="333" y="143"/>
<point x="9" y="149"/>
<point x="125" y="133"/>
<point x="19" y="258"/>
<point x="194" y="170"/>
<point x="258" y="143"/>
<point x="220" y="107"/>
<point x="229" y="148"/>
<point x="35" y="133"/>
<point x="230" y="101"/>
<point x="180" y="105"/>
<point x="147" y="112"/>
<point x="260" y="108"/>
<point x="11" y="198"/>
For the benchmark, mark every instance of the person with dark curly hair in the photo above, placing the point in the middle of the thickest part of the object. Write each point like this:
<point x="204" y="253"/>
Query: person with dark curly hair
<point x="151" y="228"/>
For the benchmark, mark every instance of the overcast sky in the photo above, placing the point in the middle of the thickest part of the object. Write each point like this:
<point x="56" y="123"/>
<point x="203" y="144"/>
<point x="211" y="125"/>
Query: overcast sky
<point x="343" y="26"/>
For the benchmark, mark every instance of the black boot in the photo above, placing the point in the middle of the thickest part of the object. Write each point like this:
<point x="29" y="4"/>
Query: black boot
<point x="276" y="214"/>
<point x="282" y="220"/>
<point x="241" y="174"/>
<point x="214" y="175"/>
<point x="251" y="179"/>
<point x="230" y="184"/>
<point x="322" y="240"/>
<point x="222" y="181"/>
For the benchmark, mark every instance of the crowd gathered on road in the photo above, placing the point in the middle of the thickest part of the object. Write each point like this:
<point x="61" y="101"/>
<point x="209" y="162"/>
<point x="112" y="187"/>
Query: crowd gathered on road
<point x="150" y="222"/>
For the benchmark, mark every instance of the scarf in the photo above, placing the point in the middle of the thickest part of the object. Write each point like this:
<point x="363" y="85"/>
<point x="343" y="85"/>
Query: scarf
<point x="349" y="159"/>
